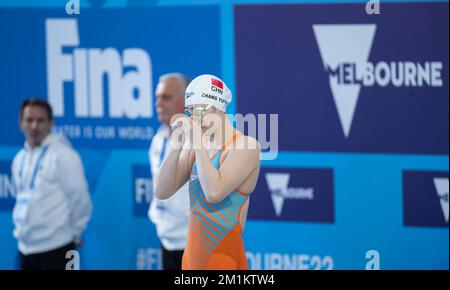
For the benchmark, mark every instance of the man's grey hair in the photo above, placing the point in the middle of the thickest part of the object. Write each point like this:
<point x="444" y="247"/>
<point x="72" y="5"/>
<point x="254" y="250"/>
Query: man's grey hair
<point x="182" y="79"/>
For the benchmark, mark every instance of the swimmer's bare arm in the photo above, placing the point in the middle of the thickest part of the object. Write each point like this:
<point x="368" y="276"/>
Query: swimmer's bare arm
<point x="174" y="172"/>
<point x="236" y="168"/>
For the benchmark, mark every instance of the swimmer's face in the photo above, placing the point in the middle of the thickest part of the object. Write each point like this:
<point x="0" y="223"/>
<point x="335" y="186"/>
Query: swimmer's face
<point x="203" y="114"/>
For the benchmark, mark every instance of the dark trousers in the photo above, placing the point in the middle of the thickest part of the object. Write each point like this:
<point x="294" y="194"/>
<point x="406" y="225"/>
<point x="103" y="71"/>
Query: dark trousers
<point x="171" y="259"/>
<point x="51" y="260"/>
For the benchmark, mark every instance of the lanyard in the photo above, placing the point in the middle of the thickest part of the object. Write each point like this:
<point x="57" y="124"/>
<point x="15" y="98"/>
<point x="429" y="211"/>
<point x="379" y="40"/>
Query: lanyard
<point x="35" y="169"/>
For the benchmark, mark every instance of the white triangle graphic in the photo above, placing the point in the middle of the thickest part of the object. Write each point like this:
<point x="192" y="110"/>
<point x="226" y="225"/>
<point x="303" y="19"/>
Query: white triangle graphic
<point x="442" y="189"/>
<point x="349" y="43"/>
<point x="278" y="202"/>
<point x="277" y="183"/>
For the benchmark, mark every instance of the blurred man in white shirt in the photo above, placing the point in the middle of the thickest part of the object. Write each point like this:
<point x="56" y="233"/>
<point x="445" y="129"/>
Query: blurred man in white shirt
<point x="169" y="216"/>
<point x="53" y="205"/>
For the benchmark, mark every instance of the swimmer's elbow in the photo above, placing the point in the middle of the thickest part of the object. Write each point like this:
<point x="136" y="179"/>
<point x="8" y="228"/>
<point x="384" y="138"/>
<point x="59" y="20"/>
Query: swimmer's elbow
<point x="159" y="193"/>
<point x="214" y="196"/>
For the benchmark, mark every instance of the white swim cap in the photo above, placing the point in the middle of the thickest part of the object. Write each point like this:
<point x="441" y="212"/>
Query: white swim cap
<point x="208" y="90"/>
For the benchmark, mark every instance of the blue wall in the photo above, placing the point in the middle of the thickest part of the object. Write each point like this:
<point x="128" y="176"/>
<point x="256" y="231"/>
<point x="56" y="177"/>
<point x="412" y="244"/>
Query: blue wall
<point x="367" y="187"/>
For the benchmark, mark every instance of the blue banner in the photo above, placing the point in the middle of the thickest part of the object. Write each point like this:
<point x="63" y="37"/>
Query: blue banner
<point x="359" y="178"/>
<point x="349" y="81"/>
<point x="425" y="198"/>
<point x="142" y="189"/>
<point x="294" y="195"/>
<point x="7" y="187"/>
<point x="99" y="69"/>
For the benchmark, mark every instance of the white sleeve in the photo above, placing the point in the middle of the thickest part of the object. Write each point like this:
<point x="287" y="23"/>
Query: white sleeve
<point x="152" y="162"/>
<point x="150" y="150"/>
<point x="15" y="169"/>
<point x="75" y="187"/>
<point x="154" y="169"/>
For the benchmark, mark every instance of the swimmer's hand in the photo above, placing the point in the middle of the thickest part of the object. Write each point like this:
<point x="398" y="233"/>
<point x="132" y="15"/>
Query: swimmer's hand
<point x="187" y="130"/>
<point x="198" y="140"/>
<point x="177" y="135"/>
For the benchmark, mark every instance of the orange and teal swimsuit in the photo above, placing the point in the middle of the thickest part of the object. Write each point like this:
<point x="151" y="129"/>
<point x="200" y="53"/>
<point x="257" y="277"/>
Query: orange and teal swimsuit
<point x="215" y="236"/>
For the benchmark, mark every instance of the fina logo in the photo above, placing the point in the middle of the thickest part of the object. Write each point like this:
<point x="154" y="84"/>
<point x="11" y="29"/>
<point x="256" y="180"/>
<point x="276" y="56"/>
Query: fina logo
<point x="143" y="190"/>
<point x="278" y="186"/>
<point x="129" y="92"/>
<point x="442" y="189"/>
<point x="345" y="49"/>
<point x="7" y="188"/>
